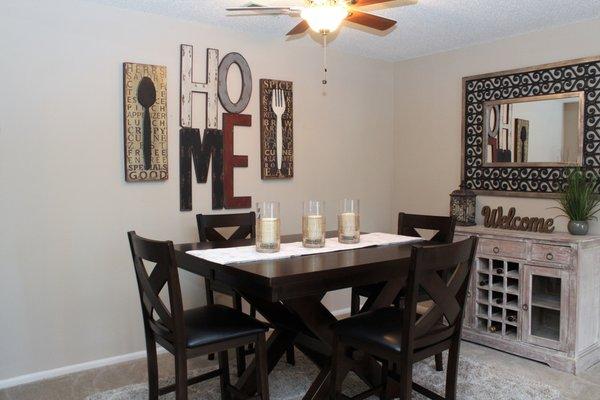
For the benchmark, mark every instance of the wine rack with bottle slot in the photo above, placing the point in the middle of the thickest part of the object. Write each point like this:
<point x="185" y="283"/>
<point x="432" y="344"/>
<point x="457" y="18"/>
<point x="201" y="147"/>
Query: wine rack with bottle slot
<point x="535" y="295"/>
<point x="497" y="300"/>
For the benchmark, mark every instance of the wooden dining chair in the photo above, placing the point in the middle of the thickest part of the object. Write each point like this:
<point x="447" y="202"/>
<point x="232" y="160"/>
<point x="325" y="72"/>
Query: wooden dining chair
<point x="404" y="337"/>
<point x="407" y="226"/>
<point x="246" y="227"/>
<point x="191" y="333"/>
<point x="444" y="226"/>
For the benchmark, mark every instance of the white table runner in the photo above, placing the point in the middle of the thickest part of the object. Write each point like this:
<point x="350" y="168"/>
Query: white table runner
<point x="231" y="255"/>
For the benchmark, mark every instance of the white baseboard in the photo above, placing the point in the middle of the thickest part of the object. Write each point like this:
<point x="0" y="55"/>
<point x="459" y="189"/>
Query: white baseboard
<point x="71" y="369"/>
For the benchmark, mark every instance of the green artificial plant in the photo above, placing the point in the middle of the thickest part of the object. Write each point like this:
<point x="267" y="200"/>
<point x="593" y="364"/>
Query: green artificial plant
<point x="579" y="202"/>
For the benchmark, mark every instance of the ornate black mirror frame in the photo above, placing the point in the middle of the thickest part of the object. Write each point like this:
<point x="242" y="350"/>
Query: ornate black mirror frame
<point x="582" y="75"/>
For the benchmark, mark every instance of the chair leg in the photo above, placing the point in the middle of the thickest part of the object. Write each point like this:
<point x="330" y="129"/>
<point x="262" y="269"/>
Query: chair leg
<point x="452" y="373"/>
<point x="262" y="380"/>
<point x="354" y="303"/>
<point x="290" y="357"/>
<point x="336" y="370"/>
<point x="224" y="377"/>
<point x="240" y="355"/>
<point x="180" y="375"/>
<point x="406" y="369"/>
<point x="240" y="351"/>
<point x="152" y="367"/>
<point x="210" y="300"/>
<point x="439" y="362"/>
<point x="253" y="315"/>
<point x="384" y="395"/>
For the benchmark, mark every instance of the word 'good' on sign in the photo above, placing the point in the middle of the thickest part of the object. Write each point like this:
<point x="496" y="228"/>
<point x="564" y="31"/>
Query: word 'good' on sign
<point x="496" y="219"/>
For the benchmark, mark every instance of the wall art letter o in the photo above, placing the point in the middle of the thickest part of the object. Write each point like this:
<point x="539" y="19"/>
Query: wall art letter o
<point x="242" y="103"/>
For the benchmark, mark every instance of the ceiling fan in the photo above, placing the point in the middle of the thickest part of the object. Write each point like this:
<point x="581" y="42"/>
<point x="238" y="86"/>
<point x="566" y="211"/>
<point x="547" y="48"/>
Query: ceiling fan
<point x="326" y="16"/>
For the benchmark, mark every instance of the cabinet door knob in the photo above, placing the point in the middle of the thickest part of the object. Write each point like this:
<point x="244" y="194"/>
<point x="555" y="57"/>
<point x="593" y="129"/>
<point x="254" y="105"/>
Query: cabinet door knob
<point x="525" y="307"/>
<point x="549" y="256"/>
<point x="496" y="250"/>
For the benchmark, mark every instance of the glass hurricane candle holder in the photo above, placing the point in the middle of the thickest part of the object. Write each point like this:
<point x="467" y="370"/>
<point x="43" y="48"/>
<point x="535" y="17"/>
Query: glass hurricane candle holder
<point x="349" y="221"/>
<point x="313" y="224"/>
<point x="267" y="227"/>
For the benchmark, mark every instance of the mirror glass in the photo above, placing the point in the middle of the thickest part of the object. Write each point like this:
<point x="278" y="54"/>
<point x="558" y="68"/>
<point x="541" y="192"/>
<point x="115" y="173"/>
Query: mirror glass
<point x="540" y="130"/>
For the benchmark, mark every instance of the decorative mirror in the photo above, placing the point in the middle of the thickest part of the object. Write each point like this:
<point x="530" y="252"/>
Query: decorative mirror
<point x="522" y="129"/>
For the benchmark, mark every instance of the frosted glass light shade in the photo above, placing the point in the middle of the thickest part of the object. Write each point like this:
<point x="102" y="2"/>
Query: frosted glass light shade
<point x="324" y="18"/>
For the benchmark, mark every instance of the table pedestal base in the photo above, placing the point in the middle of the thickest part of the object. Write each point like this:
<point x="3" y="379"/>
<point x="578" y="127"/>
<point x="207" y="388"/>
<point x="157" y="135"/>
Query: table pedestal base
<point x="306" y="323"/>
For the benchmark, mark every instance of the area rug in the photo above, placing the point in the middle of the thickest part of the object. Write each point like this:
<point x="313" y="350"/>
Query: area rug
<point x="477" y="381"/>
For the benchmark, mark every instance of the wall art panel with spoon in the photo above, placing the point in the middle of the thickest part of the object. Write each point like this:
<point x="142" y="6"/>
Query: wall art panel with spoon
<point x="145" y="119"/>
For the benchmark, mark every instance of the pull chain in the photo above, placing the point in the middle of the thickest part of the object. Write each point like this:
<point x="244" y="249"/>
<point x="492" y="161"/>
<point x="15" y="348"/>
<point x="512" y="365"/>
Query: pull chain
<point x="324" y="59"/>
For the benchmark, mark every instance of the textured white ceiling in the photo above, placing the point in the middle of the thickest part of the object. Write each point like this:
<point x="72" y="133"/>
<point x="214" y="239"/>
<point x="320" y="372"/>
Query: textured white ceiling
<point x="429" y="27"/>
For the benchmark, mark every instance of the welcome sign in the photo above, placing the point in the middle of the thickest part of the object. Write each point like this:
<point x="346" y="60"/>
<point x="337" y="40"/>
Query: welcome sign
<point x="496" y="219"/>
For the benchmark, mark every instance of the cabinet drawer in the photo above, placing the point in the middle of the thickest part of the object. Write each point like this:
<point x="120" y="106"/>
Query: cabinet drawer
<point x="550" y="253"/>
<point x="503" y="248"/>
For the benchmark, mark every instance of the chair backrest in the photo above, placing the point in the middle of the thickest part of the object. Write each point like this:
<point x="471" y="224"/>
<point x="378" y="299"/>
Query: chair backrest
<point x="245" y="223"/>
<point x="163" y="321"/>
<point x="444" y="318"/>
<point x="409" y="223"/>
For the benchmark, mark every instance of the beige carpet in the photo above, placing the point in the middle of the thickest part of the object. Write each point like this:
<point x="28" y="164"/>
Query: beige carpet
<point x="477" y="381"/>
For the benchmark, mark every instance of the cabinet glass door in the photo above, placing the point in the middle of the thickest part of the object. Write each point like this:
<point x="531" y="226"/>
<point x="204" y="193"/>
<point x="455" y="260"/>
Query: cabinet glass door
<point x="545" y="317"/>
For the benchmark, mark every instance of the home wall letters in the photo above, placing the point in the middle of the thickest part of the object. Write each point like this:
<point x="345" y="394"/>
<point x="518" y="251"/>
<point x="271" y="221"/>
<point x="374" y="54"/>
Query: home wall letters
<point x="213" y="144"/>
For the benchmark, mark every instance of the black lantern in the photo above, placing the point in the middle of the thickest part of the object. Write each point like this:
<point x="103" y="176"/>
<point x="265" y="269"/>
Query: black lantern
<point x="462" y="205"/>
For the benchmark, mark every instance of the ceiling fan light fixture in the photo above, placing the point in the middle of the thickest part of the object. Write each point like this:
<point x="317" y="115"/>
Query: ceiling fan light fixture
<point x="325" y="17"/>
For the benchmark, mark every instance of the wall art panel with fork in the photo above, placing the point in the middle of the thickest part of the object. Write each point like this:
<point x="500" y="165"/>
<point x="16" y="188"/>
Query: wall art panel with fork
<point x="276" y="129"/>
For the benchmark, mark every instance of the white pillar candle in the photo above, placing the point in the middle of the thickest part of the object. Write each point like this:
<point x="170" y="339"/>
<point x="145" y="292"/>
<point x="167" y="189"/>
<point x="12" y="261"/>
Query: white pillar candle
<point x="348" y="223"/>
<point x="269" y="228"/>
<point x="314" y="227"/>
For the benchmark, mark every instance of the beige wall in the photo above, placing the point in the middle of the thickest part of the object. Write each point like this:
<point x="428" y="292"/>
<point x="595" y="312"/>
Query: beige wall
<point x="67" y="290"/>
<point x="67" y="293"/>
<point x="428" y="114"/>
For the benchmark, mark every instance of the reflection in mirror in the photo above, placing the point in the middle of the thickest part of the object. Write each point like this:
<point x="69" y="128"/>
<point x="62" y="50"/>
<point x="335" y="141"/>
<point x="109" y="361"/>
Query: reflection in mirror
<point x="541" y="130"/>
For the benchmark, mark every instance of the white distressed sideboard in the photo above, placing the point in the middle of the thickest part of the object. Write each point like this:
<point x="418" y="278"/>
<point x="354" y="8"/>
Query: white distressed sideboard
<point x="536" y="295"/>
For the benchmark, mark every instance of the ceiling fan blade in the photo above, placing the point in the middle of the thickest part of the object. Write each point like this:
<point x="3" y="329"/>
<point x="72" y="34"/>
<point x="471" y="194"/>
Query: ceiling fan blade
<point x="370" y="20"/>
<point x="258" y="9"/>
<point x="300" y="28"/>
<point x="360" y="3"/>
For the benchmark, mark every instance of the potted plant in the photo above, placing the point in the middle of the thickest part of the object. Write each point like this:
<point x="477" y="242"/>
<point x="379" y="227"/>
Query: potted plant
<point x="579" y="202"/>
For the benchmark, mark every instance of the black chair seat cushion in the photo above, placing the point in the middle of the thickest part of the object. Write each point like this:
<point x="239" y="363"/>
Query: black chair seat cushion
<point x="216" y="323"/>
<point x="380" y="328"/>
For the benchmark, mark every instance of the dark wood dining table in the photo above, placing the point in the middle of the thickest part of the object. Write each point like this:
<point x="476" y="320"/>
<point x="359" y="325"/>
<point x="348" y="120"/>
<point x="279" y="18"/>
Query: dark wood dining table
<point x="288" y="293"/>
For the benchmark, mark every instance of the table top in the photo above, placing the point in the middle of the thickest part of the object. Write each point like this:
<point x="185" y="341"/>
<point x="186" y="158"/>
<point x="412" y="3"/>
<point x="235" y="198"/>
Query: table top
<point x="296" y="276"/>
